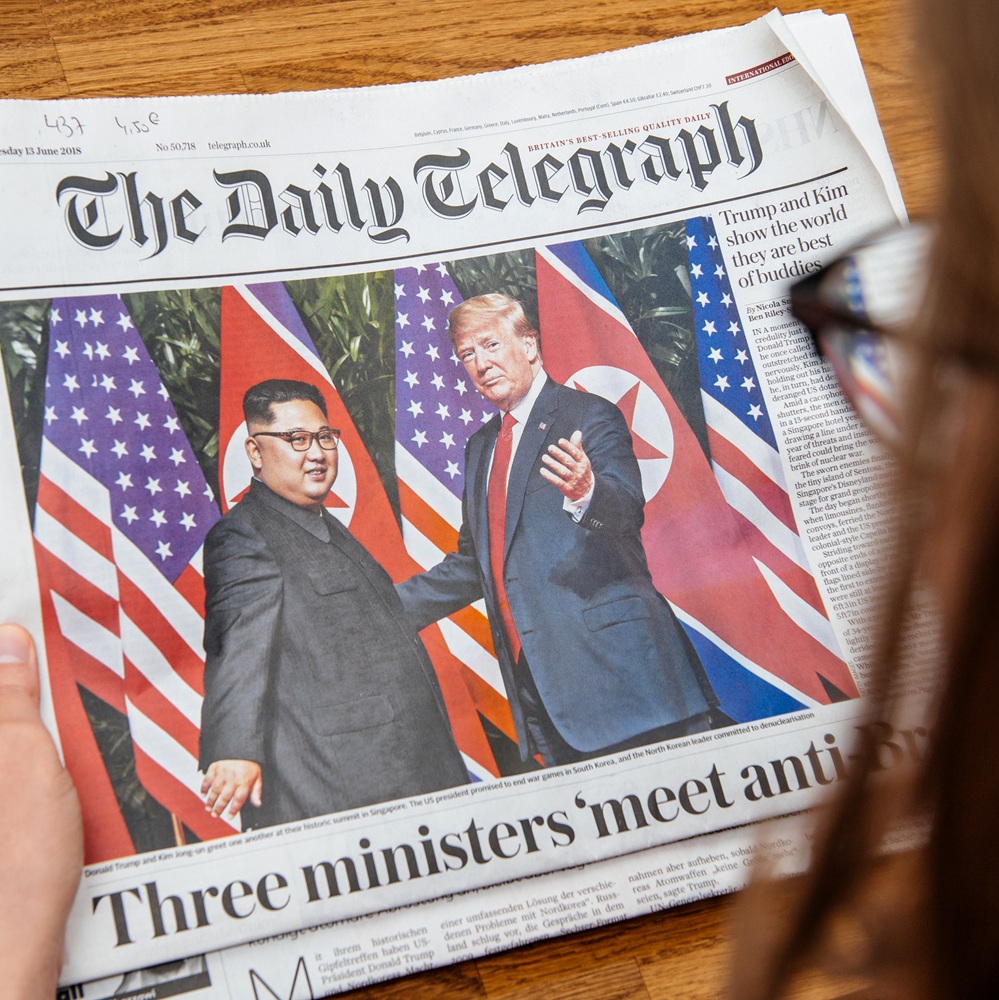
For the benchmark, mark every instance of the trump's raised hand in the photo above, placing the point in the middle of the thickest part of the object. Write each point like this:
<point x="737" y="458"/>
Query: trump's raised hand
<point x="567" y="466"/>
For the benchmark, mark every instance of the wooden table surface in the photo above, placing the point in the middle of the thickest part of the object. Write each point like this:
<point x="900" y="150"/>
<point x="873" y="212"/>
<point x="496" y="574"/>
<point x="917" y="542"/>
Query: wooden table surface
<point x="90" y="48"/>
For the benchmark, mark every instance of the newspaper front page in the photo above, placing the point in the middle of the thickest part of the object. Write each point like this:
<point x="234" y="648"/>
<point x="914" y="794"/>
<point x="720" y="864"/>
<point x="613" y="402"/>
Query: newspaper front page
<point x="648" y="208"/>
<point x="333" y="958"/>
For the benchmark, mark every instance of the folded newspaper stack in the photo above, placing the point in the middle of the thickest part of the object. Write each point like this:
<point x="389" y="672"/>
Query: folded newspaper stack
<point x="649" y="208"/>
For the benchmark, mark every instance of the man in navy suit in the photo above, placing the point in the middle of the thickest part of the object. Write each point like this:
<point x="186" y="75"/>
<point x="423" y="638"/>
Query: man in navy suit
<point x="593" y="658"/>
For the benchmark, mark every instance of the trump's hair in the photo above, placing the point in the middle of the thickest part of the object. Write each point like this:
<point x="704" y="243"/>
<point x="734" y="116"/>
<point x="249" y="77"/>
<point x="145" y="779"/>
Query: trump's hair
<point x="488" y="309"/>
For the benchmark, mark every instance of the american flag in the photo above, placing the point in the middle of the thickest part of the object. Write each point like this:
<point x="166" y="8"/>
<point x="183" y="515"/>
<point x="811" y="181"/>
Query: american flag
<point x="123" y="509"/>
<point x="437" y="411"/>
<point x="741" y="438"/>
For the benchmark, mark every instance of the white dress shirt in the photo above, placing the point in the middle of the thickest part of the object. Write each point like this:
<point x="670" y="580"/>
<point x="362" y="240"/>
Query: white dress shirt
<point x="521" y="413"/>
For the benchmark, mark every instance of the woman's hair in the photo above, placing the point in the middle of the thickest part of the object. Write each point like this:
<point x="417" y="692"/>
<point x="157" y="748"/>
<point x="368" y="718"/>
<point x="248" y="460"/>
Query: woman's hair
<point x="927" y="923"/>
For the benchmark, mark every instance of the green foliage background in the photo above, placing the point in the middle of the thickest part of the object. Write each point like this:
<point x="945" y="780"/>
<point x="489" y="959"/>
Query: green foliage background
<point x="24" y="348"/>
<point x="180" y="329"/>
<point x="351" y="320"/>
<point x="648" y="272"/>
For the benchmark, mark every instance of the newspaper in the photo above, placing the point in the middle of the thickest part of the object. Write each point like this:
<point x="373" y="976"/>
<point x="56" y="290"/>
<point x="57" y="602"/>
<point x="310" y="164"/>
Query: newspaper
<point x="333" y="958"/>
<point x="674" y="190"/>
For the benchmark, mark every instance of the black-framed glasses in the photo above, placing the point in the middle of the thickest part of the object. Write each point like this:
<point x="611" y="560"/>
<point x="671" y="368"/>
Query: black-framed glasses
<point x="859" y="310"/>
<point x="328" y="438"/>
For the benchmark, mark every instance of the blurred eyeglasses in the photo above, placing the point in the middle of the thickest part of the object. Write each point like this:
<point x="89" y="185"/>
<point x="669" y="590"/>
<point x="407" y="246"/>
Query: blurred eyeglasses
<point x="859" y="310"/>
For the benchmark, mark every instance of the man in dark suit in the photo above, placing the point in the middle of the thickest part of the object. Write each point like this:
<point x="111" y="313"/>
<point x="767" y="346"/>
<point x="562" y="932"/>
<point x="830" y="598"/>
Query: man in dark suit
<point x="319" y="695"/>
<point x="593" y="658"/>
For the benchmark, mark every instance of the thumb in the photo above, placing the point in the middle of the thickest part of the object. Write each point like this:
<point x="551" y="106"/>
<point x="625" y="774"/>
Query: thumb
<point x="577" y="437"/>
<point x="257" y="792"/>
<point x="18" y="666"/>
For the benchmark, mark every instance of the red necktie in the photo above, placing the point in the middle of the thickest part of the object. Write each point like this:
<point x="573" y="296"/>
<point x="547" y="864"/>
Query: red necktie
<point x="496" y="502"/>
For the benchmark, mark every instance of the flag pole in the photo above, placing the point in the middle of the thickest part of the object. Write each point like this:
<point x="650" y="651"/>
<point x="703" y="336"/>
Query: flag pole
<point x="178" y="830"/>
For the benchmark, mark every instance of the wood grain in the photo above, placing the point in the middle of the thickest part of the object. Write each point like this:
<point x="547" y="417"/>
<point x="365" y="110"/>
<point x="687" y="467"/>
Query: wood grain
<point x="90" y="48"/>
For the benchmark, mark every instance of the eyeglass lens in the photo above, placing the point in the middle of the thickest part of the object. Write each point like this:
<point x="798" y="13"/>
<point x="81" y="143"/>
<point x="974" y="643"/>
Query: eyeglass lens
<point x="879" y="287"/>
<point x="302" y="440"/>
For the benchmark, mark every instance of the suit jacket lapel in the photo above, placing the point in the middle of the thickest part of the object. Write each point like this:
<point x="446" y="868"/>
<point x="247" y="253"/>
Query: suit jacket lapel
<point x="526" y="460"/>
<point x="478" y="472"/>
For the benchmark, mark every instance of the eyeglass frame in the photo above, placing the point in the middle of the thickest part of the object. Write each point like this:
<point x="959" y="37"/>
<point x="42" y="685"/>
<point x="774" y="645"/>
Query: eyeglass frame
<point x="313" y="436"/>
<point x="807" y="306"/>
<point x="816" y="315"/>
